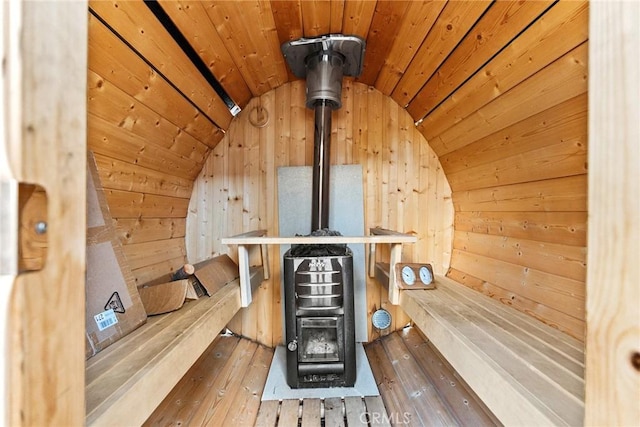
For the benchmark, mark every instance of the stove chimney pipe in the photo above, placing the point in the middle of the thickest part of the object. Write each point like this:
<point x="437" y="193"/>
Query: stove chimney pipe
<point x="323" y="61"/>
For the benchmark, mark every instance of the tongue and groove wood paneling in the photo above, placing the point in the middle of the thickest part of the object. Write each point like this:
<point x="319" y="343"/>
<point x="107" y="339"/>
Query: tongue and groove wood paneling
<point x="150" y="143"/>
<point x="404" y="186"/>
<point x="498" y="90"/>
<point x="513" y="144"/>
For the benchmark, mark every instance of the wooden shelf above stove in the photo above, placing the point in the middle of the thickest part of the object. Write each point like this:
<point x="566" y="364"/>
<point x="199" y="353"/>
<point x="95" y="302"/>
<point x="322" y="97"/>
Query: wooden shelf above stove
<point x="258" y="237"/>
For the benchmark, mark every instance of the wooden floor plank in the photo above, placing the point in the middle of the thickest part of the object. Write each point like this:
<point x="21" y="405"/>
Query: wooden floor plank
<point x="178" y="407"/>
<point x="311" y="412"/>
<point x="392" y="392"/>
<point x="355" y="411"/>
<point x="268" y="413"/>
<point x="333" y="412"/>
<point x="247" y="401"/>
<point x="216" y="404"/>
<point x="289" y="413"/>
<point x="224" y="388"/>
<point x="419" y="390"/>
<point x="462" y="403"/>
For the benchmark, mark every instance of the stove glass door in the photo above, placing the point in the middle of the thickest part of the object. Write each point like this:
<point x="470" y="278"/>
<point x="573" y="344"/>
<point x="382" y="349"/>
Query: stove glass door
<point x="320" y="339"/>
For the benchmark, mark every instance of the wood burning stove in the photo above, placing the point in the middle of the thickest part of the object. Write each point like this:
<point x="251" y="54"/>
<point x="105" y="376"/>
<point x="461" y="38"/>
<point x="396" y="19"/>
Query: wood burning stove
<point x="318" y="279"/>
<point x="319" y="316"/>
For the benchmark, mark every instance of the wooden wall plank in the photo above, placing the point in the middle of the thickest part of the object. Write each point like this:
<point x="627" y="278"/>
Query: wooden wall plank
<point x="559" y="259"/>
<point x="613" y="332"/>
<point x="151" y="273"/>
<point x="138" y="25"/>
<point x="568" y="228"/>
<point x="149" y="253"/>
<point x="499" y="25"/>
<point x="140" y="230"/>
<point x="191" y="19"/>
<point x="455" y="21"/>
<point x="417" y="22"/>
<point x="128" y="204"/>
<point x="561" y="194"/>
<point x="555" y="318"/>
<point x="254" y="48"/>
<point x="559" y="293"/>
<point x="109" y="56"/>
<point x="562" y="28"/>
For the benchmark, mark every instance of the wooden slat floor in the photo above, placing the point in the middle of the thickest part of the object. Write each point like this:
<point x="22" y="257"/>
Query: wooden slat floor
<point x="223" y="388"/>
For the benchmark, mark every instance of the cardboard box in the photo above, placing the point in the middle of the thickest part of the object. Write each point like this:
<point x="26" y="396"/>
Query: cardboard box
<point x="113" y="305"/>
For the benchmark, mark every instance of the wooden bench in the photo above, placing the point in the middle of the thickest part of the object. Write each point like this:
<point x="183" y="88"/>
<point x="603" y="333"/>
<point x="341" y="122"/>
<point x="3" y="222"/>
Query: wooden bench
<point x="526" y="372"/>
<point x="129" y="379"/>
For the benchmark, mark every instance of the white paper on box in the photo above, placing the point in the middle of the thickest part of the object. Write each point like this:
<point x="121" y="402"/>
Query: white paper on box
<point x="105" y="319"/>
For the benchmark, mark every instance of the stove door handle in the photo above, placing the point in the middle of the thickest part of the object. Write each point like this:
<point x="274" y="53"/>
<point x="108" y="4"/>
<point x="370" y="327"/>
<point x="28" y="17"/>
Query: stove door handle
<point x="293" y="345"/>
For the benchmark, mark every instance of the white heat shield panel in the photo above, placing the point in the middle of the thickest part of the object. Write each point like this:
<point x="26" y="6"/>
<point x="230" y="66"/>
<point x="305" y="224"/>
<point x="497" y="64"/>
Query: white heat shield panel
<point x="346" y="215"/>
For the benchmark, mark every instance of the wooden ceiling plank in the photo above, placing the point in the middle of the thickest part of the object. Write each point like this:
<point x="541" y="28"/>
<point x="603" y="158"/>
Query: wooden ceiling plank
<point x="452" y="25"/>
<point x="560" y="29"/>
<point x="249" y="34"/>
<point x="385" y="24"/>
<point x="138" y="25"/>
<point x="110" y="57"/>
<point x="562" y="122"/>
<point x="119" y="175"/>
<point x="554" y="161"/>
<point x="106" y="101"/>
<point x="287" y="16"/>
<point x="316" y="17"/>
<point x="112" y="141"/>
<point x="337" y="12"/>
<point x="566" y="78"/>
<point x="357" y="17"/>
<point x="191" y="19"/>
<point x="498" y="26"/>
<point x="417" y="23"/>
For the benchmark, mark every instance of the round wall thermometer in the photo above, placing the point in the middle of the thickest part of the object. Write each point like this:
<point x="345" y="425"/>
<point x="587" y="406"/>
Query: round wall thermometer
<point x="408" y="275"/>
<point x="381" y="319"/>
<point x="414" y="276"/>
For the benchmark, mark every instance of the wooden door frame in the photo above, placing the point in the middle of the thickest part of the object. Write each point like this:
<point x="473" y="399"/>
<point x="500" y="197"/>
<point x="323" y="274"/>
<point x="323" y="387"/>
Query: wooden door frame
<point x="54" y="34"/>
<point x="44" y="143"/>
<point x="613" y="270"/>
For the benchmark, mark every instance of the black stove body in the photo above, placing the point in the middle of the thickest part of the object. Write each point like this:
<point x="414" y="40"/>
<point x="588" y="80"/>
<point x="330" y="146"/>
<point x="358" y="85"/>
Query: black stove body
<point x="318" y="279"/>
<point x="319" y="317"/>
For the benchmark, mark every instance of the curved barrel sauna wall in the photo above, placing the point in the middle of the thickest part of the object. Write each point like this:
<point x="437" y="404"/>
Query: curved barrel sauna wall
<point x="501" y="113"/>
<point x="469" y="121"/>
